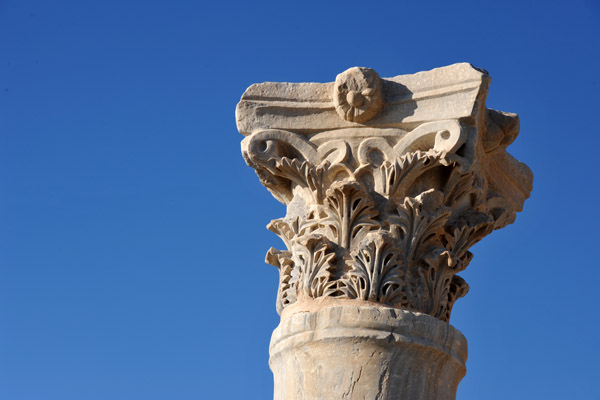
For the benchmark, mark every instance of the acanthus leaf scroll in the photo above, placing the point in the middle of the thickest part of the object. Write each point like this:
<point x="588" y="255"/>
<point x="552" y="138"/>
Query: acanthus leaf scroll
<point x="395" y="231"/>
<point x="385" y="214"/>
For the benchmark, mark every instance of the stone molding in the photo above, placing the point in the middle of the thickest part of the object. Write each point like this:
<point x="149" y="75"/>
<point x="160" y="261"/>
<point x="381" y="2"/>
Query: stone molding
<point x="388" y="182"/>
<point x="362" y="351"/>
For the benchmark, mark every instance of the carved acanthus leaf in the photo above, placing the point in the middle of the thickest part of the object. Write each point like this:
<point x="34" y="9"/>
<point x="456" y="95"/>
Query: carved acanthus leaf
<point x="419" y="222"/>
<point x="398" y="178"/>
<point x="315" y="259"/>
<point x="468" y="229"/>
<point x="375" y="272"/>
<point x="350" y="213"/>
<point x="289" y="230"/>
<point x="458" y="289"/>
<point x="286" y="172"/>
<point x="384" y="202"/>
<point x="437" y="271"/>
<point x="288" y="277"/>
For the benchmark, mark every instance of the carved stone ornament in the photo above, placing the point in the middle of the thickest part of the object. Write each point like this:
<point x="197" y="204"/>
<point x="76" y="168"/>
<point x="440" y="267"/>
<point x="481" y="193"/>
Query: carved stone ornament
<point x="384" y="211"/>
<point x="357" y="94"/>
<point x="388" y="183"/>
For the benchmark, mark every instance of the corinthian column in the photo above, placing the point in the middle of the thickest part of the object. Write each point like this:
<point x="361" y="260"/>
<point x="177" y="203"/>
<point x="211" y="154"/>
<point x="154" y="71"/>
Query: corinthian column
<point x="388" y="182"/>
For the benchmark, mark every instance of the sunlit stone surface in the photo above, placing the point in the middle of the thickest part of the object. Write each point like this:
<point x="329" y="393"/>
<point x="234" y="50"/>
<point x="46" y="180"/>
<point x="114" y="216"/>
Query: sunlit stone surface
<point x="388" y="182"/>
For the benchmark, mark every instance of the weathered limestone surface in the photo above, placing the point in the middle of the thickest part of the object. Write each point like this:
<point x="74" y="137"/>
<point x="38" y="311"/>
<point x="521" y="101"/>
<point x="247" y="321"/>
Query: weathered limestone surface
<point x="388" y="183"/>
<point x="362" y="351"/>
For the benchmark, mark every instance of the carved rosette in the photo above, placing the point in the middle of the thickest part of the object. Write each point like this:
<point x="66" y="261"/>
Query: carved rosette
<point x="387" y="214"/>
<point x="357" y="94"/>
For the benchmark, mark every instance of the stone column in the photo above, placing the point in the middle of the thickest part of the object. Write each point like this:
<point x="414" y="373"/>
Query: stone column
<point x="388" y="182"/>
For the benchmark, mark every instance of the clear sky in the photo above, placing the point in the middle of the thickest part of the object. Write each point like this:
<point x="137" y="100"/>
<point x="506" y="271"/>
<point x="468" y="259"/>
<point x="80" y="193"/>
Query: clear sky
<point x="132" y="234"/>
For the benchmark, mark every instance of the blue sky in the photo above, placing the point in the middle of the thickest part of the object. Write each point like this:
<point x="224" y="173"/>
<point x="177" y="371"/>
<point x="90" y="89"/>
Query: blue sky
<point x="132" y="234"/>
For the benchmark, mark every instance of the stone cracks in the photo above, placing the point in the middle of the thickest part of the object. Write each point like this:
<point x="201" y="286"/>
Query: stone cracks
<point x="358" y="350"/>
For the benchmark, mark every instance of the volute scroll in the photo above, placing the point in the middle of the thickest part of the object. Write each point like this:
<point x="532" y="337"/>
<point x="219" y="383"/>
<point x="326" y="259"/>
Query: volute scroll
<point x="381" y="210"/>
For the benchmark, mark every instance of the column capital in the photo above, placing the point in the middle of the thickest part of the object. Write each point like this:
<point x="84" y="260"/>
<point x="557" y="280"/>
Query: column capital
<point x="388" y="182"/>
